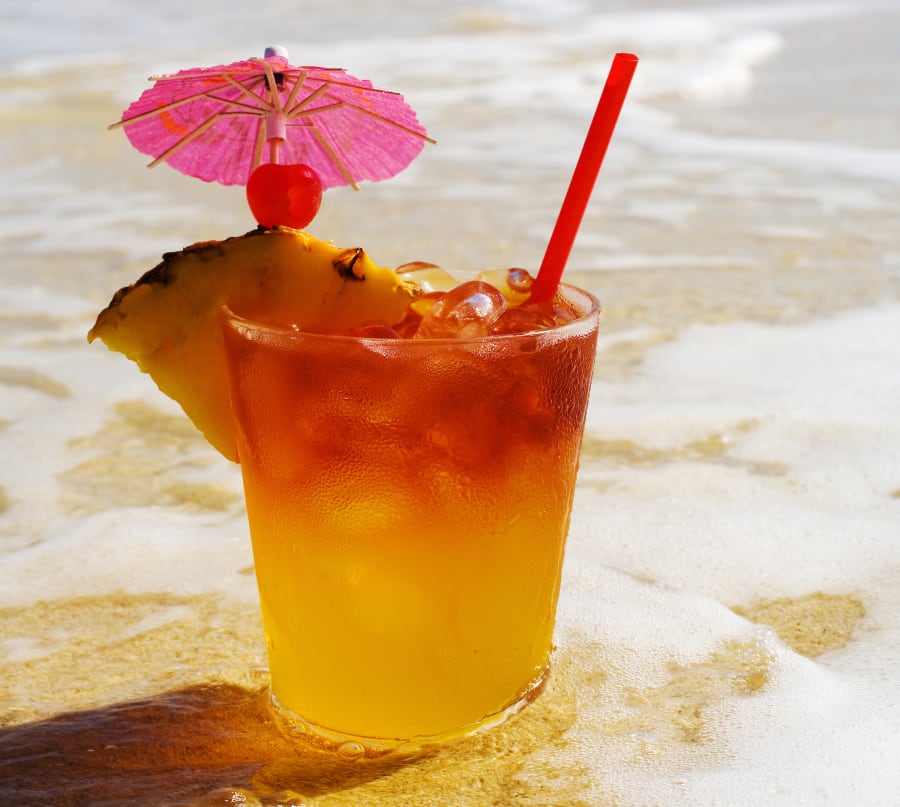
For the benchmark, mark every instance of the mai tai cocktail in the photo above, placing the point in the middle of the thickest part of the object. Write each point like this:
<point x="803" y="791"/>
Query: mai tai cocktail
<point x="408" y="503"/>
<point x="408" y="483"/>
<point x="408" y="445"/>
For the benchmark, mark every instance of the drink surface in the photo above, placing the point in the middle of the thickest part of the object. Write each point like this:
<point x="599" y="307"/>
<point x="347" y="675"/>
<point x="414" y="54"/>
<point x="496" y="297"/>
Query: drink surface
<point x="408" y="503"/>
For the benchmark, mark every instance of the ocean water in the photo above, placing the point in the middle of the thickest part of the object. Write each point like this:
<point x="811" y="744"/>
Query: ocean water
<point x="728" y="629"/>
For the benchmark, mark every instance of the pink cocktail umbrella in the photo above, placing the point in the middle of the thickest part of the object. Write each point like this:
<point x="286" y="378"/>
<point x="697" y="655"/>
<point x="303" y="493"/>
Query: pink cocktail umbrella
<point x="220" y="123"/>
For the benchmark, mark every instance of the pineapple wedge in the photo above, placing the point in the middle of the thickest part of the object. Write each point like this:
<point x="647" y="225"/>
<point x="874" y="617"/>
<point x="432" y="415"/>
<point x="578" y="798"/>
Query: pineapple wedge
<point x="168" y="323"/>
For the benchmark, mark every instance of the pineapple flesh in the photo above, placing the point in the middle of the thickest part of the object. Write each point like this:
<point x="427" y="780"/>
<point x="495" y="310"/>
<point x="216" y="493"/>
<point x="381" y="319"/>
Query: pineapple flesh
<point x="168" y="321"/>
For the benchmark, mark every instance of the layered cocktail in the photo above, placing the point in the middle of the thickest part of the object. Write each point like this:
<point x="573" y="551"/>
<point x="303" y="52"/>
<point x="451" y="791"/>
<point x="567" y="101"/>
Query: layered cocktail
<point x="408" y="447"/>
<point x="408" y="503"/>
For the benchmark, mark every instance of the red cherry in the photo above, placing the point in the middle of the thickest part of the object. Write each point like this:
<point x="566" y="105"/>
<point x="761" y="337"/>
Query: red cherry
<point x="285" y="195"/>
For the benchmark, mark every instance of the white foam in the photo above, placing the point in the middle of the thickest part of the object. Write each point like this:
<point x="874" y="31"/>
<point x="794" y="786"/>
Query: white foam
<point x="815" y="405"/>
<point x="801" y="498"/>
<point x="137" y="550"/>
<point x="856" y="162"/>
<point x="820" y="399"/>
<point x="827" y="722"/>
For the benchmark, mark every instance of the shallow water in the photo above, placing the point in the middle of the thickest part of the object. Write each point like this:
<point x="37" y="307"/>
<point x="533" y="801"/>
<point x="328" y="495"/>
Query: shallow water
<point x="728" y="629"/>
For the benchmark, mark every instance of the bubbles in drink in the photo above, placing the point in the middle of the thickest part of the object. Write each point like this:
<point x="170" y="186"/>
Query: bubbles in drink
<point x="468" y="311"/>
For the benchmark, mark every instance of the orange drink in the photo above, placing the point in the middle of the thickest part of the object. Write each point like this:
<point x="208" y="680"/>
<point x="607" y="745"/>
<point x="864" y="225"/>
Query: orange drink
<point x="408" y="502"/>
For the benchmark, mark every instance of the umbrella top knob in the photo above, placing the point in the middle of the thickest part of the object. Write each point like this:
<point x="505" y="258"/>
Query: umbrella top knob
<point x="276" y="50"/>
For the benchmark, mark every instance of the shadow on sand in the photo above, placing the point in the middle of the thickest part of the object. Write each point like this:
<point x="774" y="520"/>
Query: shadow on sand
<point x="200" y="745"/>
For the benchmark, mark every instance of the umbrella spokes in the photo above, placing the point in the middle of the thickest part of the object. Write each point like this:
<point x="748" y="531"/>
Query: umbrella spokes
<point x="237" y="106"/>
<point x="273" y="85"/>
<point x="293" y="106"/>
<point x="299" y="83"/>
<point x="362" y="111"/>
<point x="194" y="134"/>
<point x="199" y="131"/>
<point x="245" y="89"/>
<point x="332" y="155"/>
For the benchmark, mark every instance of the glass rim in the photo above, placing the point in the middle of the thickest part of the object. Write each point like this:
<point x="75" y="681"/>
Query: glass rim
<point x="227" y="314"/>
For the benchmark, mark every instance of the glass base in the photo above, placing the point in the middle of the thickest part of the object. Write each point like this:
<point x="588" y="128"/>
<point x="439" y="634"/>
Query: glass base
<point x="352" y="746"/>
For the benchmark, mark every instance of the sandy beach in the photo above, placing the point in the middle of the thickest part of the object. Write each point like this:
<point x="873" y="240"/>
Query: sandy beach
<point x="728" y="629"/>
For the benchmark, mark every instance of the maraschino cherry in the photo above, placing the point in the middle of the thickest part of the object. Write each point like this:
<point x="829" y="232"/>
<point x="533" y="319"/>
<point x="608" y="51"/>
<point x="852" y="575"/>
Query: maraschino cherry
<point x="284" y="195"/>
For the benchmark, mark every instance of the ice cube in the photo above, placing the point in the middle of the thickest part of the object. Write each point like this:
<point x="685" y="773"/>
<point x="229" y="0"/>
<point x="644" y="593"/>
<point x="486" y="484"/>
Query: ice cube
<point x="519" y="280"/>
<point x="515" y="284"/>
<point x="525" y="318"/>
<point x="420" y="305"/>
<point x="427" y="276"/>
<point x="465" y="312"/>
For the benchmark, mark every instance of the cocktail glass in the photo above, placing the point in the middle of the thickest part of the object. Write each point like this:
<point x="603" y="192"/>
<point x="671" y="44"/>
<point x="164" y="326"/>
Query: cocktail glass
<point x="408" y="502"/>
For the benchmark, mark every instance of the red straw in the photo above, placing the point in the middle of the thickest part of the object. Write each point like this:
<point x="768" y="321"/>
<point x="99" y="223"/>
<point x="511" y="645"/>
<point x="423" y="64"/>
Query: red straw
<point x="586" y="170"/>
